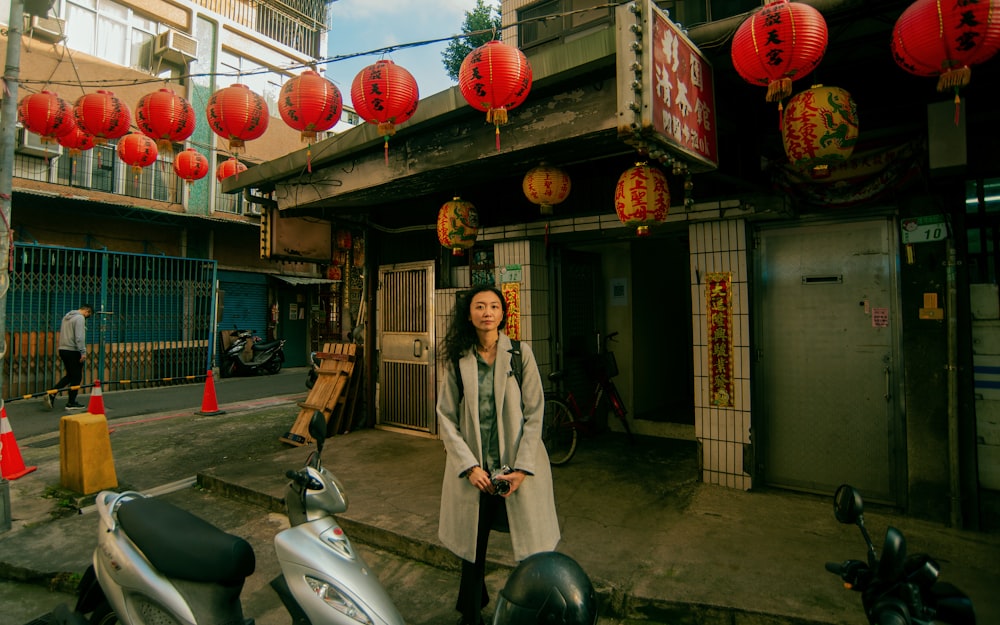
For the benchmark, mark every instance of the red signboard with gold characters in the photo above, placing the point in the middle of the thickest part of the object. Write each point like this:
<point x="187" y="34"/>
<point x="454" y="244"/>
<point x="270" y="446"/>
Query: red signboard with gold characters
<point x="512" y="295"/>
<point x="720" y="338"/>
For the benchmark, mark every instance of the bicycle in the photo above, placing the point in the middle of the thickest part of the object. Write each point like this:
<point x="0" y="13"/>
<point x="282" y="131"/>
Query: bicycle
<point x="563" y="418"/>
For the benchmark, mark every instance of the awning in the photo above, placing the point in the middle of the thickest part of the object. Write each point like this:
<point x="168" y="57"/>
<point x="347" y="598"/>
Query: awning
<point x="296" y="280"/>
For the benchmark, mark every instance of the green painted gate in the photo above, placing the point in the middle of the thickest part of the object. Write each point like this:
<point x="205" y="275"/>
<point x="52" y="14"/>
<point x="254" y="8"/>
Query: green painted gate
<point x="153" y="316"/>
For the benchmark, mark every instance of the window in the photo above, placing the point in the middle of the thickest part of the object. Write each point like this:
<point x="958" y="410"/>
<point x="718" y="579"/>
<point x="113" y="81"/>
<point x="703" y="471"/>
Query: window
<point x="261" y="80"/>
<point x="111" y="31"/>
<point x="100" y="169"/>
<point x="982" y="208"/>
<point x="557" y="19"/>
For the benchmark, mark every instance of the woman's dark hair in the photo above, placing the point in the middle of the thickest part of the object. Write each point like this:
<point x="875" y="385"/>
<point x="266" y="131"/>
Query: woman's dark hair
<point x="461" y="334"/>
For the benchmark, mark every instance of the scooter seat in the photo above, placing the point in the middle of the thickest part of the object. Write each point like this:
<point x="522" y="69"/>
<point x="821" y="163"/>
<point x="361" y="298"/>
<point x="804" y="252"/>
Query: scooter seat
<point x="183" y="546"/>
<point x="260" y="347"/>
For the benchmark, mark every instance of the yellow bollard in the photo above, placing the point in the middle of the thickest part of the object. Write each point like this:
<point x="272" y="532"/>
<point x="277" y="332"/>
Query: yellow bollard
<point x="85" y="462"/>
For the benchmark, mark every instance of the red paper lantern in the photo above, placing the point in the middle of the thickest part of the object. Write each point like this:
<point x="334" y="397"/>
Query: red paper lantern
<point x="103" y="115"/>
<point x="819" y="128"/>
<point x="76" y="141"/>
<point x="47" y="115"/>
<point x="938" y="38"/>
<point x="310" y="104"/>
<point x="237" y="114"/>
<point x="546" y="186"/>
<point x="138" y="151"/>
<point x="166" y="117"/>
<point x="457" y="225"/>
<point x="385" y="94"/>
<point x="781" y="42"/>
<point x="642" y="198"/>
<point x="191" y="165"/>
<point x="229" y="167"/>
<point x="495" y="77"/>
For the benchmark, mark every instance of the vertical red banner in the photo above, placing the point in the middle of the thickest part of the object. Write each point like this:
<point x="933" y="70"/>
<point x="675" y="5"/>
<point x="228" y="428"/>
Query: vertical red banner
<point x="720" y="338"/>
<point x="512" y="295"/>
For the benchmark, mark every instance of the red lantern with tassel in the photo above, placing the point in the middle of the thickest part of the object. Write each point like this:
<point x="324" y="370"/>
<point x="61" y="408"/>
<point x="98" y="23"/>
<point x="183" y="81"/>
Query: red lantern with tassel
<point x="457" y="225"/>
<point x="546" y="186"/>
<point x="191" y="165"/>
<point x="229" y="167"/>
<point x="495" y="78"/>
<point x="944" y="39"/>
<point x="237" y="114"/>
<point x="386" y="95"/>
<point x="165" y="117"/>
<point x="310" y="104"/>
<point x="47" y="115"/>
<point x="782" y="42"/>
<point x="76" y="141"/>
<point x="138" y="151"/>
<point x="642" y="198"/>
<point x="102" y="115"/>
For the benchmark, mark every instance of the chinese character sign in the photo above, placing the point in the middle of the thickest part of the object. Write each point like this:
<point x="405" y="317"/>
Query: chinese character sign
<point x="512" y="295"/>
<point x="720" y="338"/>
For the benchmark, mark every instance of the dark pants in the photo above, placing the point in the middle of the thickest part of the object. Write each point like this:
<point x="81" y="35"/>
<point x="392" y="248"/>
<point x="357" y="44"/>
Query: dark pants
<point x="74" y="372"/>
<point x="472" y="593"/>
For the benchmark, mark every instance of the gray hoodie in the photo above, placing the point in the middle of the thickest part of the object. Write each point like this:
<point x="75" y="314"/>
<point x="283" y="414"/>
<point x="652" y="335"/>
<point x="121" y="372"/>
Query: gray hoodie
<point x="73" y="332"/>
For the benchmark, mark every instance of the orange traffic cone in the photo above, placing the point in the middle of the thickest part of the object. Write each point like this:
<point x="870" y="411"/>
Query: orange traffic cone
<point x="11" y="463"/>
<point x="96" y="404"/>
<point x="209" y="405"/>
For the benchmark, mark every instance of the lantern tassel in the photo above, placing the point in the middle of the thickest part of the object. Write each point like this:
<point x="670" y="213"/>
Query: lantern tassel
<point x="958" y="106"/>
<point x="956" y="78"/>
<point x="779" y="89"/>
<point x="385" y="150"/>
<point x="498" y="138"/>
<point x="309" y="161"/>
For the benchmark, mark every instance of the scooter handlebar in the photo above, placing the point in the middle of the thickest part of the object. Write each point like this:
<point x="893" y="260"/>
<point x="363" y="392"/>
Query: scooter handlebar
<point x="304" y="480"/>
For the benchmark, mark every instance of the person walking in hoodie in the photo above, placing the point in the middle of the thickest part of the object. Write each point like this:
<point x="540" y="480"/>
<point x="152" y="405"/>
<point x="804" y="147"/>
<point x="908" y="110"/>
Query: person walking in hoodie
<point x="73" y="353"/>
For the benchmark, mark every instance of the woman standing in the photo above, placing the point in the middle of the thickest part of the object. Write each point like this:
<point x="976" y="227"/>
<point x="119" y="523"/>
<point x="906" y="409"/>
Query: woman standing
<point x="493" y="431"/>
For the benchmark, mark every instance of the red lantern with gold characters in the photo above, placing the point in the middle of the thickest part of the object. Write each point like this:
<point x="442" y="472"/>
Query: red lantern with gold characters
<point x="944" y="39"/>
<point x="165" y="117"/>
<point x="138" y="151"/>
<point x="642" y="198"/>
<point x="546" y="186"/>
<point x="190" y="165"/>
<point x="495" y="78"/>
<point x="457" y="225"/>
<point x="103" y="115"/>
<point x="237" y="114"/>
<point x="385" y="94"/>
<point x="229" y="167"/>
<point x="819" y="128"/>
<point x="47" y="115"/>
<point x="782" y="42"/>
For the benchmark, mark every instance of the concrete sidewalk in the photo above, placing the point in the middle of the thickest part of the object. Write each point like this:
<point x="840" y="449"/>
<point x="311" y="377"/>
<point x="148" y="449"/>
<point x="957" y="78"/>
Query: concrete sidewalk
<point x="659" y="545"/>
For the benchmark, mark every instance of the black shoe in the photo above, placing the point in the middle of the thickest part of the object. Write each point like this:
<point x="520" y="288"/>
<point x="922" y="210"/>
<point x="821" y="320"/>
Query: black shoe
<point x="48" y="401"/>
<point x="74" y="406"/>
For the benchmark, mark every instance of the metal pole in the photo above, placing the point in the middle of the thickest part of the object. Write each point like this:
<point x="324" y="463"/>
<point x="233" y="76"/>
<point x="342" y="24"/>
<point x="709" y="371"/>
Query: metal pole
<point x="8" y="132"/>
<point x="953" y="432"/>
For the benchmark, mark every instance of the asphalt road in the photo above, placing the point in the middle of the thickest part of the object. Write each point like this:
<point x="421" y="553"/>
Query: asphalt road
<point x="30" y="417"/>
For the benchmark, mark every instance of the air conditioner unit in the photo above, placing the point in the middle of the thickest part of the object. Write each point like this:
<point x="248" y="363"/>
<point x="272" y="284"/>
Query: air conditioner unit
<point x="176" y="47"/>
<point x="32" y="145"/>
<point x="48" y="28"/>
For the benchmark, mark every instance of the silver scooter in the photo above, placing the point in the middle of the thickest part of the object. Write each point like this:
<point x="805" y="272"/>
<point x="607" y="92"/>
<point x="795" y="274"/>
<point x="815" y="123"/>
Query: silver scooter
<point x="158" y="564"/>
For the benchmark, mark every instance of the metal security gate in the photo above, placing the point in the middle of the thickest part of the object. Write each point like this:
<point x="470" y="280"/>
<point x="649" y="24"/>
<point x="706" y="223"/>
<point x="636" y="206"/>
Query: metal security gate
<point x="406" y="340"/>
<point x="153" y="316"/>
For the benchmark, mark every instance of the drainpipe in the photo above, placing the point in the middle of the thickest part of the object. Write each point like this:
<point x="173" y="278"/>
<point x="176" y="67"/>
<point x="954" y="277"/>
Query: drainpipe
<point x="953" y="454"/>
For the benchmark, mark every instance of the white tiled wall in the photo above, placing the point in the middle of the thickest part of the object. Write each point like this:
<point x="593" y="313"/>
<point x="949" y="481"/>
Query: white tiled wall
<point x="720" y="246"/>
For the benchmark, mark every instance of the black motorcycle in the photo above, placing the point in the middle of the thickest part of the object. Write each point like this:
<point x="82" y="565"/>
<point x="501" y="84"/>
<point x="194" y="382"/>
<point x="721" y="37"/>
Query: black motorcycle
<point x="266" y="357"/>
<point x="897" y="589"/>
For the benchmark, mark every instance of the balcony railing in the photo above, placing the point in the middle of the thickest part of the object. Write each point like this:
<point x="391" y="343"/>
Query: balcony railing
<point x="297" y="24"/>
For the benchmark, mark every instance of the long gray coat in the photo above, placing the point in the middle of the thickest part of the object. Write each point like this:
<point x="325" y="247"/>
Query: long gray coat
<point x="531" y="510"/>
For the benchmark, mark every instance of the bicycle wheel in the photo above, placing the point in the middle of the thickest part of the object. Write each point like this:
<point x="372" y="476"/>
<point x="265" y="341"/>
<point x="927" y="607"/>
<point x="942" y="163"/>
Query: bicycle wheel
<point x="558" y="432"/>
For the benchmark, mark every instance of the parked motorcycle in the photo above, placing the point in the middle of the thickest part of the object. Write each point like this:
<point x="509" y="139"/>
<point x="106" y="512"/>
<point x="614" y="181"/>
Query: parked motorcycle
<point x="267" y="357"/>
<point x="896" y="589"/>
<point x="156" y="563"/>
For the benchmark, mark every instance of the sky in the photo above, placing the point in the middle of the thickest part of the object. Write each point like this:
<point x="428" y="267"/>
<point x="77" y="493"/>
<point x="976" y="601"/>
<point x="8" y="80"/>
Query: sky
<point x="364" y="25"/>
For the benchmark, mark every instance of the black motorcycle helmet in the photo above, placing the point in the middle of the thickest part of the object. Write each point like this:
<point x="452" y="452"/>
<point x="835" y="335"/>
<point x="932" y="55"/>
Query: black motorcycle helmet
<point x="547" y="588"/>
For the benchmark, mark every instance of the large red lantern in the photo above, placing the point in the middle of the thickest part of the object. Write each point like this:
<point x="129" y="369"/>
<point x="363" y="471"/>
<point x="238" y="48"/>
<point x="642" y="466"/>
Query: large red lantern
<point x="939" y="38"/>
<point x="103" y="115"/>
<point x="166" y="117"/>
<point x="819" y="128"/>
<point x="310" y="104"/>
<point x="781" y="42"/>
<point x="237" y="114"/>
<point x="495" y="78"/>
<point x="457" y="225"/>
<point x="546" y="186"/>
<point x="385" y="94"/>
<point x="76" y="141"/>
<point x="229" y="167"/>
<point x="138" y="151"/>
<point x="642" y="198"/>
<point x="190" y="165"/>
<point x="47" y="115"/>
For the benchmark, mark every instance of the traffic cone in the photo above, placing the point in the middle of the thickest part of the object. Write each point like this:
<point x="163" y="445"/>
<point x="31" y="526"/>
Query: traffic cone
<point x="11" y="463"/>
<point x="209" y="405"/>
<point x="96" y="404"/>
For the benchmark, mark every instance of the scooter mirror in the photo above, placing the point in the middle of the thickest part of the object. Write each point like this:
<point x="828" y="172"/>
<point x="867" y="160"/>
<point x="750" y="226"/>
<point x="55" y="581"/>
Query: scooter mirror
<point x="317" y="429"/>
<point x="847" y="504"/>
